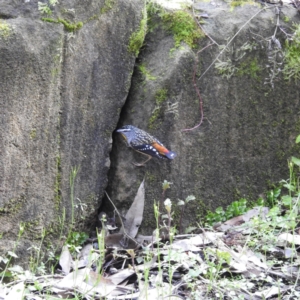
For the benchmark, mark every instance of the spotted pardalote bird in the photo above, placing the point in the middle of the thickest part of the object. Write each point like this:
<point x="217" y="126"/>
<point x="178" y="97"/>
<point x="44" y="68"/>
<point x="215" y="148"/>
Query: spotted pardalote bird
<point x="143" y="142"/>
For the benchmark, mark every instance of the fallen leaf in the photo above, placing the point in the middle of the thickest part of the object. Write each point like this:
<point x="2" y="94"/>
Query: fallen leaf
<point x="66" y="260"/>
<point x="134" y="216"/>
<point x="290" y="238"/>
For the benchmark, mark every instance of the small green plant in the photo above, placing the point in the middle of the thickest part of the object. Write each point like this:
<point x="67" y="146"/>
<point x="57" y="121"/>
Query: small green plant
<point x="272" y="196"/>
<point x="217" y="261"/>
<point x="36" y="264"/>
<point x="75" y="241"/>
<point x="184" y="28"/>
<point x="6" y="261"/>
<point x="183" y="204"/>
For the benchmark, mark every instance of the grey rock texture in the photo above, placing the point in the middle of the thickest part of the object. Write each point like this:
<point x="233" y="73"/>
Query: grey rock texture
<point x="61" y="94"/>
<point x="249" y="126"/>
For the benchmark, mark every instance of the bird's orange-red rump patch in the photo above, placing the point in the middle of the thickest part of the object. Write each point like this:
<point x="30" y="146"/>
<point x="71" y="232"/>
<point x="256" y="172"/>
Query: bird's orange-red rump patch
<point x="160" y="149"/>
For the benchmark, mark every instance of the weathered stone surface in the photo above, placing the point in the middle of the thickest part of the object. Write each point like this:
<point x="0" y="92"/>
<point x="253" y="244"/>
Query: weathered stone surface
<point x="60" y="98"/>
<point x="249" y="128"/>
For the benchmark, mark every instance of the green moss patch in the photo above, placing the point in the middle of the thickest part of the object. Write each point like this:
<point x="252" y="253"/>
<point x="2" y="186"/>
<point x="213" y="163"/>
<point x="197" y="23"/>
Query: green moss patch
<point x="142" y="68"/>
<point x="183" y="27"/>
<point x="108" y="5"/>
<point x="249" y="67"/>
<point x="71" y="27"/>
<point x="5" y="29"/>
<point x="137" y="38"/>
<point x="160" y="97"/>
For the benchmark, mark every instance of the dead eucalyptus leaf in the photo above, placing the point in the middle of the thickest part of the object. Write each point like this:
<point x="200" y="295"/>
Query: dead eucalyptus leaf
<point x="65" y="260"/>
<point x="134" y="216"/>
<point x="74" y="279"/>
<point x="121" y="276"/>
<point x="290" y="238"/>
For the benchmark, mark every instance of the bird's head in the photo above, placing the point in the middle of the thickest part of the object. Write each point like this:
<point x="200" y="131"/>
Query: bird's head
<point x="128" y="132"/>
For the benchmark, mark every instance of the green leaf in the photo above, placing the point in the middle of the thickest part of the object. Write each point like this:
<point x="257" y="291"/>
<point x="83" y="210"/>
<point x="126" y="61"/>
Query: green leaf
<point x="296" y="161"/>
<point x="298" y="139"/>
<point x="286" y="200"/>
<point x="289" y="186"/>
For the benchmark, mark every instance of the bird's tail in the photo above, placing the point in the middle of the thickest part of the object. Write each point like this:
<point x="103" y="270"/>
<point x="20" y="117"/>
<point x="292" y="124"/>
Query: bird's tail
<point x="170" y="155"/>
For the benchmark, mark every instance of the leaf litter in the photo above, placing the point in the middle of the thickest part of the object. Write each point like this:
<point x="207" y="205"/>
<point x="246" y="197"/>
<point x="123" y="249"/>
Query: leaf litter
<point x="223" y="262"/>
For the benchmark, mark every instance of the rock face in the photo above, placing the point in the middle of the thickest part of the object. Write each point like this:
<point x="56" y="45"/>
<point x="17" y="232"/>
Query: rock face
<point x="61" y="93"/>
<point x="251" y="118"/>
<point x="65" y="79"/>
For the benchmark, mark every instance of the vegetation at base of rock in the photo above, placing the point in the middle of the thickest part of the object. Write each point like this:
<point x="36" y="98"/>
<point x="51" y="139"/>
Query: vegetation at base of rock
<point x="236" y="208"/>
<point x="292" y="56"/>
<point x="184" y="28"/>
<point x="137" y="38"/>
<point x="108" y="5"/>
<point x="275" y="198"/>
<point x="5" y="30"/>
<point x="71" y="27"/>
